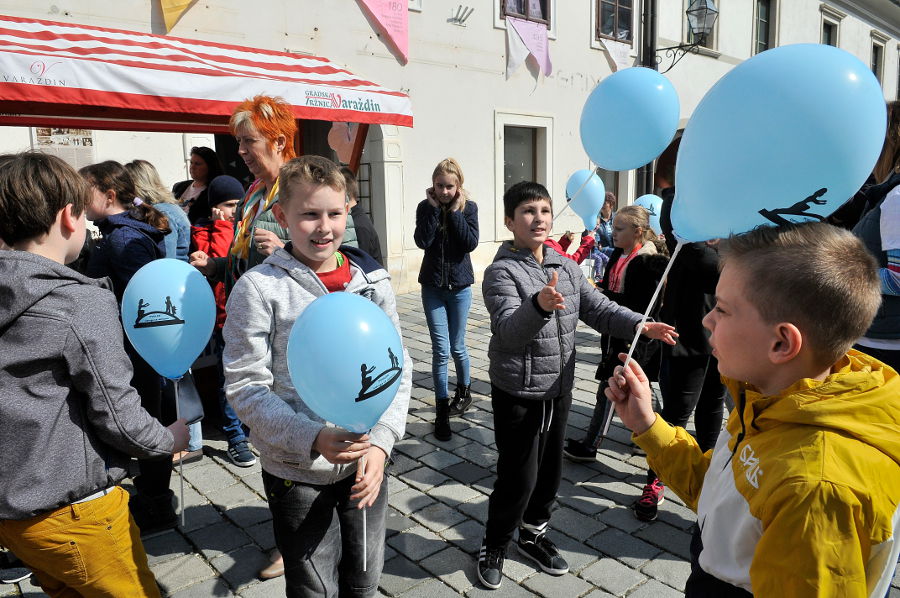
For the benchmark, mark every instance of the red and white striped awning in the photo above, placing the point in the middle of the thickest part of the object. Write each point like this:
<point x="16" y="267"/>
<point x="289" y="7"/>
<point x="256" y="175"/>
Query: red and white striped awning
<point x="67" y="75"/>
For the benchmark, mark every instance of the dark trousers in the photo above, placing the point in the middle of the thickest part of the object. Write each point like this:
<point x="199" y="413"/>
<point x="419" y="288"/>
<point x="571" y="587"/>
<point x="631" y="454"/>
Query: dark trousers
<point x="155" y="473"/>
<point x="529" y="436"/>
<point x="692" y="384"/>
<point x="319" y="532"/>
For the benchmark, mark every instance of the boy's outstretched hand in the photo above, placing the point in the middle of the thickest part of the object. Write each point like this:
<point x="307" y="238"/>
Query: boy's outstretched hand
<point x="629" y="390"/>
<point x="549" y="298"/>
<point x="339" y="446"/>
<point x="369" y="475"/>
<point x="660" y="331"/>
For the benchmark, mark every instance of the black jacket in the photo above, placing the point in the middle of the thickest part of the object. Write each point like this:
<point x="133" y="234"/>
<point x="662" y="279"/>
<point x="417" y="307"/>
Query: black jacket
<point x="366" y="236"/>
<point x="200" y="208"/>
<point x="447" y="238"/>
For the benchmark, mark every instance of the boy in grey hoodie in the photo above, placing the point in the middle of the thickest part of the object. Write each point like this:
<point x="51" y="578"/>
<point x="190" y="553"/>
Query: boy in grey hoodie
<point x="315" y="490"/>
<point x="70" y="421"/>
<point x="536" y="297"/>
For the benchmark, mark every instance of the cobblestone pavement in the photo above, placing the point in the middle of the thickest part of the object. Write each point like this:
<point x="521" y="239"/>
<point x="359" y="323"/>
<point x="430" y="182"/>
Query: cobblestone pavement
<point x="438" y="504"/>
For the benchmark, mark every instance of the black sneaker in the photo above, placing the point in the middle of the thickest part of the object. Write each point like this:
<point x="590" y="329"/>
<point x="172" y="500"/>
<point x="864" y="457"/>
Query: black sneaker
<point x="577" y="451"/>
<point x="240" y="454"/>
<point x="540" y="549"/>
<point x="461" y="400"/>
<point x="646" y="506"/>
<point x="490" y="566"/>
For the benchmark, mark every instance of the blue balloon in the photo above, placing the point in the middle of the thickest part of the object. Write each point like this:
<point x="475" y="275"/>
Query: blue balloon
<point x="653" y="204"/>
<point x="786" y="136"/>
<point x="629" y="119"/>
<point x="586" y="199"/>
<point x="168" y="311"/>
<point x="345" y="357"/>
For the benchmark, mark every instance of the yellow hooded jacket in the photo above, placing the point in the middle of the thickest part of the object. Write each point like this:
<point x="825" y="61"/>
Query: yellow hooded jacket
<point x="800" y="495"/>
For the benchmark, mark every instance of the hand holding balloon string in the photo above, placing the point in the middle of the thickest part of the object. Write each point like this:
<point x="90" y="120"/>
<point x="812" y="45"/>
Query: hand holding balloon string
<point x="339" y="446"/>
<point x="629" y="391"/>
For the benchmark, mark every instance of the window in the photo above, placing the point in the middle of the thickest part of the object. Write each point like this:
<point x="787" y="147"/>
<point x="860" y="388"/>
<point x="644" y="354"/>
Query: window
<point x="519" y="155"/>
<point x="877" y="60"/>
<point x="415" y="5"/>
<point x="530" y="10"/>
<point x="614" y="20"/>
<point x="829" y="33"/>
<point x="765" y="26"/>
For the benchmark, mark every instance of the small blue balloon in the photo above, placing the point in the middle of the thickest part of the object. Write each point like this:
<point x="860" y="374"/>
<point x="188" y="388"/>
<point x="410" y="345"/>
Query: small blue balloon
<point x="345" y="358"/>
<point x="168" y="312"/>
<point x="586" y="199"/>
<point x="786" y="136"/>
<point x="653" y="204"/>
<point x="629" y="119"/>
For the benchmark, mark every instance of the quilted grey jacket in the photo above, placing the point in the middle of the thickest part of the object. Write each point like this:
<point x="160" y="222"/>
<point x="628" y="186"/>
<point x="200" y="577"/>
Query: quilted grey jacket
<point x="532" y="354"/>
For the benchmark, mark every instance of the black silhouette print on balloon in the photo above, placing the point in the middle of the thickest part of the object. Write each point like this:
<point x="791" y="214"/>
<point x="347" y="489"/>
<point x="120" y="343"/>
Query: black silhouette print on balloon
<point x="369" y="386"/>
<point x="801" y="208"/>
<point x="149" y="319"/>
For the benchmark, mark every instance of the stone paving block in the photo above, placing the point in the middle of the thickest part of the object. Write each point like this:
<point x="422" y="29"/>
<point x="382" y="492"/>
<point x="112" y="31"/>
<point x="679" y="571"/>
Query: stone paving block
<point x="166" y="546"/>
<point x="453" y="493"/>
<point x="599" y="594"/>
<point x="199" y="516"/>
<point x="218" y="539"/>
<point x="239" y="568"/>
<point x="209" y="478"/>
<point x="247" y="515"/>
<point x="262" y="534"/>
<point x="477" y="509"/>
<point x="655" y="589"/>
<point x="424" y="478"/>
<point x="400" y="464"/>
<point x="479" y="454"/>
<point x="574" y="524"/>
<point x="409" y="501"/>
<point x="396" y="522"/>
<point x="438" y="517"/>
<point x="668" y="538"/>
<point x="399" y="575"/>
<point x="432" y="588"/>
<point x="191" y="496"/>
<point x="550" y="586"/>
<point x="467" y="535"/>
<point x="205" y="589"/>
<point x="677" y="515"/>
<point x="419" y="429"/>
<point x="466" y="472"/>
<point x="612" y="576"/>
<point x="453" y="567"/>
<point x="618" y="492"/>
<point x="582" y="499"/>
<point x="234" y="495"/>
<point x="479" y="435"/>
<point x="440" y="459"/>
<point x="413" y="448"/>
<point x="576" y="553"/>
<point x="416" y="543"/>
<point x="669" y="569"/>
<point x="577" y="472"/>
<point x="8" y="589"/>
<point x="617" y="468"/>
<point x="622" y="518"/>
<point x="269" y="588"/>
<point x="238" y="471"/>
<point x="396" y="485"/>
<point x="508" y="589"/>
<point x="624" y="547"/>
<point x="181" y="572"/>
<point x="30" y="589"/>
<point x="255" y="483"/>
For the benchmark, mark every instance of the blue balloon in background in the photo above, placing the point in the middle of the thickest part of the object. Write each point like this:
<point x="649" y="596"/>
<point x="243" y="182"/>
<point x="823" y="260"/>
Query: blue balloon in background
<point x="629" y="118"/>
<point x="345" y="357"/>
<point x="588" y="201"/>
<point x="653" y="204"/>
<point x="168" y="311"/>
<point x="786" y="136"/>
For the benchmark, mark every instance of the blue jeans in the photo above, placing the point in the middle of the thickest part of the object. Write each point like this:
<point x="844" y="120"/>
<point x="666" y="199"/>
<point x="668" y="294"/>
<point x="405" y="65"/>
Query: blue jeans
<point x="231" y="423"/>
<point x="447" y="312"/>
<point x="319" y="532"/>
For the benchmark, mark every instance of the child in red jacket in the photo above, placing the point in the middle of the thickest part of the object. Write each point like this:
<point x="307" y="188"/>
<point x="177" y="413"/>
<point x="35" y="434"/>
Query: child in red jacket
<point x="579" y="255"/>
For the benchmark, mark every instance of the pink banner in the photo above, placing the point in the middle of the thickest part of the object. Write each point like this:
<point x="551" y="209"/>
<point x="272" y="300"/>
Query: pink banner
<point x="392" y="17"/>
<point x="534" y="36"/>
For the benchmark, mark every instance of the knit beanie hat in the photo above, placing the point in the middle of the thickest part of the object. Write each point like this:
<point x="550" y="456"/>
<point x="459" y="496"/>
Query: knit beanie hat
<point x="223" y="188"/>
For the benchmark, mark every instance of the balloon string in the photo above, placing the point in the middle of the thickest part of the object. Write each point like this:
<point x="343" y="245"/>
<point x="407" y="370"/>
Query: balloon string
<point x="362" y="465"/>
<point x="577" y="193"/>
<point x="180" y="461"/>
<point x="637" y="334"/>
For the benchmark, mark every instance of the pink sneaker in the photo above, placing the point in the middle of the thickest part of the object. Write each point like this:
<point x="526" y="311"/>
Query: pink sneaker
<point x="652" y="496"/>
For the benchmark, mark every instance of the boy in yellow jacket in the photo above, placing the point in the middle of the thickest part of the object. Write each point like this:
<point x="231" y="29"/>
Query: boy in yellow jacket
<point x="800" y="495"/>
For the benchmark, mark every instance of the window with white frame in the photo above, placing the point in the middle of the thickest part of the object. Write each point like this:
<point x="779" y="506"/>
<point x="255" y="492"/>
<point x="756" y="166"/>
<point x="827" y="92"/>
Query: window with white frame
<point x="879" y="42"/>
<point x="615" y="20"/>
<point x="831" y="25"/>
<point x="415" y="5"/>
<point x="764" y="23"/>
<point x="523" y="152"/>
<point x="530" y="10"/>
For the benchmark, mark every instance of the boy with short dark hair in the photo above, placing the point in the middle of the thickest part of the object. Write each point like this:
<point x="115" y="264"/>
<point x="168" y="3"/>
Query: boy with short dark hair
<point x="70" y="421"/>
<point x="801" y="494"/>
<point x="316" y="492"/>
<point x="536" y="297"/>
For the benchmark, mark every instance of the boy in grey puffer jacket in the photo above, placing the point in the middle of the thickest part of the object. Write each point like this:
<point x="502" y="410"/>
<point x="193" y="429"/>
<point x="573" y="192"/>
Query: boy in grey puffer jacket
<point x="535" y="298"/>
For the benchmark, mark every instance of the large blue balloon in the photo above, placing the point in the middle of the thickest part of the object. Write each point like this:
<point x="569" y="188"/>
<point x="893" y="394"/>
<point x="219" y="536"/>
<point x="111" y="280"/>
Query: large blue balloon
<point x="653" y="204"/>
<point x="346" y="360"/>
<point x="168" y="311"/>
<point x="788" y="135"/>
<point x="586" y="199"/>
<point x="629" y="119"/>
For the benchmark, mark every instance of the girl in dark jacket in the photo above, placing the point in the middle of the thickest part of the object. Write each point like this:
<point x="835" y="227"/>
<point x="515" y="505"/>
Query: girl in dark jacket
<point x="133" y="234"/>
<point x="447" y="229"/>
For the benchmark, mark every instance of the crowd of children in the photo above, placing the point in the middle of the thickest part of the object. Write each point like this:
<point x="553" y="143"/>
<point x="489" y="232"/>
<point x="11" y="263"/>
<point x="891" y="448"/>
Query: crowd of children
<point x="807" y="464"/>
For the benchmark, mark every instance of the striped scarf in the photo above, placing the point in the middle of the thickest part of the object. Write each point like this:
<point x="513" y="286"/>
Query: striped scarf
<point x="254" y="206"/>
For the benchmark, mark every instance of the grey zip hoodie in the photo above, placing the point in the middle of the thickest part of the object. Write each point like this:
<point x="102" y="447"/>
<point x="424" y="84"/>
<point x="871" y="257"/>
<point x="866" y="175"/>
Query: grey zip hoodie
<point x="69" y="420"/>
<point x="532" y="353"/>
<point x="262" y="309"/>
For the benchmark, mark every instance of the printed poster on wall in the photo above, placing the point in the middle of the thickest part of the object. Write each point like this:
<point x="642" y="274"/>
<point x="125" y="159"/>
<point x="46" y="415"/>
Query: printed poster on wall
<point x="75" y="146"/>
